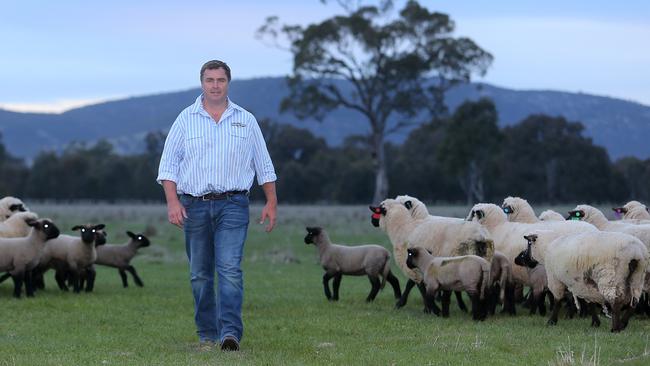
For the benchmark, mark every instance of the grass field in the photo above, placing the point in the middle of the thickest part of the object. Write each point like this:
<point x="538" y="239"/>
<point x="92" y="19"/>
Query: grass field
<point x="286" y="316"/>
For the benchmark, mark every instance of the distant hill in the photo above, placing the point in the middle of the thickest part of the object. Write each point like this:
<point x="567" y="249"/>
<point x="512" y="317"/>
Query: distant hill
<point x="623" y="127"/>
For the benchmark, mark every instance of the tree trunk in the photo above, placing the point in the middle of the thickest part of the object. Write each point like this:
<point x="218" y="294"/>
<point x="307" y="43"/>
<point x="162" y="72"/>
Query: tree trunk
<point x="381" y="178"/>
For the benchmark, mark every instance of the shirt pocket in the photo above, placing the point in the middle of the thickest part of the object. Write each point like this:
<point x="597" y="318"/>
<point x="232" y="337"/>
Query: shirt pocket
<point x="239" y="130"/>
<point x="194" y="144"/>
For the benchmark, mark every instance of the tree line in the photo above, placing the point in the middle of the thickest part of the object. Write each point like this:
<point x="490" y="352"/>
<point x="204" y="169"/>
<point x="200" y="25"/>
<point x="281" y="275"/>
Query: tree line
<point x="463" y="158"/>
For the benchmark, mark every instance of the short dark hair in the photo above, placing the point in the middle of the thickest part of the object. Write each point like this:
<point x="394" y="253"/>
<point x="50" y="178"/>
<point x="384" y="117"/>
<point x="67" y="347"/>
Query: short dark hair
<point x="215" y="64"/>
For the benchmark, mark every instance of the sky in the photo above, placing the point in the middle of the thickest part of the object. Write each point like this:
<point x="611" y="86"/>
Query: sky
<point x="57" y="55"/>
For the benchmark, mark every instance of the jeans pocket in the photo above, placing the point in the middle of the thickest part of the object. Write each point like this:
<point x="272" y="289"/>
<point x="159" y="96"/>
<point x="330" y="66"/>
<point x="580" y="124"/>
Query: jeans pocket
<point x="186" y="200"/>
<point x="239" y="199"/>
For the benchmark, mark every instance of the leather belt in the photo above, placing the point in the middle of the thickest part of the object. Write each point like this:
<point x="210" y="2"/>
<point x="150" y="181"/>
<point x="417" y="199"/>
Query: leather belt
<point x="220" y="196"/>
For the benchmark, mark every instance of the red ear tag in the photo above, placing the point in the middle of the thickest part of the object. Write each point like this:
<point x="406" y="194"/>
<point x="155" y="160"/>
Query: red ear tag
<point x="376" y="216"/>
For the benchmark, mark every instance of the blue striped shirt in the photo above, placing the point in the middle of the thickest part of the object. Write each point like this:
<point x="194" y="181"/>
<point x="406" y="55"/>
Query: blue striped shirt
<point x="203" y="156"/>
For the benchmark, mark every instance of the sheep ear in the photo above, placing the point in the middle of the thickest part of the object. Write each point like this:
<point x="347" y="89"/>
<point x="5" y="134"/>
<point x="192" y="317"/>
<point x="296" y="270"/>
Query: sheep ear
<point x="408" y="204"/>
<point x="76" y="227"/>
<point x="99" y="226"/>
<point x="130" y="234"/>
<point x="31" y="222"/>
<point x="480" y="214"/>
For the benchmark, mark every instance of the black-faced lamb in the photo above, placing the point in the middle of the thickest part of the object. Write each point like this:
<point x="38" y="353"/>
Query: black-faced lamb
<point x="606" y="268"/>
<point x="467" y="273"/>
<point x="338" y="260"/>
<point x="71" y="255"/>
<point x="19" y="256"/>
<point x="119" y="256"/>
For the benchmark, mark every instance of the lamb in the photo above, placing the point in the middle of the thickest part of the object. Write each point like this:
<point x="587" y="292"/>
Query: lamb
<point x="9" y="206"/>
<point x="70" y="253"/>
<point x="606" y="268"/>
<point x="338" y="260"/>
<point x="468" y="273"/>
<point x="634" y="210"/>
<point x="119" y="256"/>
<point x="443" y="236"/>
<point x="19" y="256"/>
<point x="550" y="215"/>
<point x="16" y="225"/>
<point x="500" y="280"/>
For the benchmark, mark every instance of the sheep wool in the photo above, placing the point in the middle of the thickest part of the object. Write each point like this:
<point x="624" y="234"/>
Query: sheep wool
<point x="10" y="205"/>
<point x="17" y="225"/>
<point x="550" y="215"/>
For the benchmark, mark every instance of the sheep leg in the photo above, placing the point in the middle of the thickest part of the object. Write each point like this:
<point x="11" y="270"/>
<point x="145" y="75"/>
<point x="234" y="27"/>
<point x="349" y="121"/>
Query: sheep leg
<point x="493" y="299"/>
<point x="136" y="278"/>
<point x="459" y="300"/>
<point x="335" y="286"/>
<point x="326" y="286"/>
<point x="476" y="306"/>
<point x="405" y="295"/>
<point x="395" y="283"/>
<point x="75" y="282"/>
<point x="593" y="309"/>
<point x="616" y="318"/>
<point x="509" y="299"/>
<point x="60" y="278"/>
<point x="374" y="282"/>
<point x="556" y="310"/>
<point x="429" y="301"/>
<point x="446" y="299"/>
<point x="38" y="279"/>
<point x="125" y="283"/>
<point x="18" y="284"/>
<point x="541" y="305"/>
<point x="91" y="274"/>
<point x="29" y="287"/>
<point x="629" y="311"/>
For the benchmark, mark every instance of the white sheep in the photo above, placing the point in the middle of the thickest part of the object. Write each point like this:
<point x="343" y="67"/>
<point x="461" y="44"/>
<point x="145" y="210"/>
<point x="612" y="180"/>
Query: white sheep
<point x="71" y="254"/>
<point x="550" y="215"/>
<point x="519" y="210"/>
<point x="10" y="205"/>
<point x="595" y="217"/>
<point x="19" y="256"/>
<point x="468" y="273"/>
<point x="443" y="236"/>
<point x="602" y="267"/>
<point x="337" y="260"/>
<point x="634" y="212"/>
<point x="17" y="225"/>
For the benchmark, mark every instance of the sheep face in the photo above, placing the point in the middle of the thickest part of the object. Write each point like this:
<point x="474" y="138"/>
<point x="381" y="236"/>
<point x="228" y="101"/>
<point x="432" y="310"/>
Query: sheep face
<point x="478" y="214"/>
<point x="88" y="232"/>
<point x="576" y="215"/>
<point x="416" y="257"/>
<point x="619" y="211"/>
<point x="377" y="212"/>
<point x="525" y="257"/>
<point x="45" y="226"/>
<point x="312" y="232"/>
<point x="507" y="209"/>
<point x="411" y="257"/>
<point x="18" y="207"/>
<point x="140" y="239"/>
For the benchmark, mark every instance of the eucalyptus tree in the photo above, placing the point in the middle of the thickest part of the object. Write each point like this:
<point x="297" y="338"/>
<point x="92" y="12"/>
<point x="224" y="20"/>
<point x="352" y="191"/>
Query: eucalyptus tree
<point x="388" y="66"/>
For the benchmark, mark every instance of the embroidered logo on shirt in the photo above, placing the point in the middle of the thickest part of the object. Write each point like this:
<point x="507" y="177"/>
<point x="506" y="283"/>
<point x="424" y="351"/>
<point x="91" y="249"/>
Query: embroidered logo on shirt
<point x="238" y="124"/>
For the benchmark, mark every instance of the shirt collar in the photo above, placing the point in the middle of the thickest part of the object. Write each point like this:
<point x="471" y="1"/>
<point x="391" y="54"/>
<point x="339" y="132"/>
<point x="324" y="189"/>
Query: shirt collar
<point x="197" y="107"/>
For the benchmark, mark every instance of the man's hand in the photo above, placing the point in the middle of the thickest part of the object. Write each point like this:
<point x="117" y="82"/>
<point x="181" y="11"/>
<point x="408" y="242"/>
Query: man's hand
<point x="176" y="213"/>
<point x="269" y="211"/>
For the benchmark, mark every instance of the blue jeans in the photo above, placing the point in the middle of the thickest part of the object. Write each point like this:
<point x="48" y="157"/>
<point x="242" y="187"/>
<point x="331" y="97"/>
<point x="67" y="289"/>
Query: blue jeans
<point x="215" y="232"/>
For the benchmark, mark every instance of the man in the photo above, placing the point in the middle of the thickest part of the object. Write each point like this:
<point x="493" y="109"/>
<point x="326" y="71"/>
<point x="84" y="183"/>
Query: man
<point x="211" y="155"/>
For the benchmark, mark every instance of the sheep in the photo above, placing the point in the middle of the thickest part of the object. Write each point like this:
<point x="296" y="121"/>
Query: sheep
<point x="595" y="217"/>
<point x="9" y="206"/>
<point x="602" y="267"/>
<point x="443" y="236"/>
<point x="419" y="210"/>
<point x="19" y="256"/>
<point x="634" y="212"/>
<point x="16" y="225"/>
<point x="338" y="260"/>
<point x="88" y="275"/>
<point x="119" y="256"/>
<point x="518" y="210"/>
<point x="501" y="279"/>
<point x="468" y="273"/>
<point x="550" y="215"/>
<point x="70" y="253"/>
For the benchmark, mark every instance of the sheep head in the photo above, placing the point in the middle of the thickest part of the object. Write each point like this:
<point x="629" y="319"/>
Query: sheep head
<point x="139" y="239"/>
<point x="576" y="215"/>
<point x="377" y="213"/>
<point x="525" y="257"/>
<point x="312" y="232"/>
<point x="416" y="257"/>
<point x="45" y="226"/>
<point x="88" y="232"/>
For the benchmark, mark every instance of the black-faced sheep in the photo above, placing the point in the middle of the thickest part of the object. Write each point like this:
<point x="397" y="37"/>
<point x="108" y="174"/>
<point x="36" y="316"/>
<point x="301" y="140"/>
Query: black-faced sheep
<point x="606" y="268"/>
<point x="338" y="260"/>
<point x="19" y="256"/>
<point x="634" y="210"/>
<point x="9" y="206"/>
<point x="467" y="273"/>
<point x="119" y="256"/>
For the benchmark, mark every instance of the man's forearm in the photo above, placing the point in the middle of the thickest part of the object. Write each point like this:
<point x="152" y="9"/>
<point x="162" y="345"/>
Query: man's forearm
<point x="170" y="190"/>
<point x="269" y="192"/>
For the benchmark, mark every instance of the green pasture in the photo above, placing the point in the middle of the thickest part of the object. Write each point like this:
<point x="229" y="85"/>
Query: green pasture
<point x="287" y="319"/>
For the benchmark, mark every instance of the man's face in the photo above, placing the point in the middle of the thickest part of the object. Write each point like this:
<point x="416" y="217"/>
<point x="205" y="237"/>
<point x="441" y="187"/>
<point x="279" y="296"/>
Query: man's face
<point x="215" y="85"/>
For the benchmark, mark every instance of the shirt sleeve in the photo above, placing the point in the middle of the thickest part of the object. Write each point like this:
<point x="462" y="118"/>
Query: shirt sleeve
<point x="262" y="163"/>
<point x="172" y="154"/>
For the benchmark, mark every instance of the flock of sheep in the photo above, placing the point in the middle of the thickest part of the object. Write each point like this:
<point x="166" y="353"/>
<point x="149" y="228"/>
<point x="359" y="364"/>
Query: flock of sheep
<point x="30" y="246"/>
<point x="585" y="262"/>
